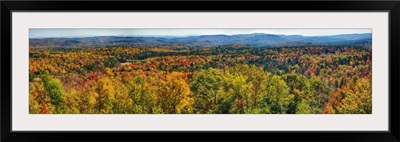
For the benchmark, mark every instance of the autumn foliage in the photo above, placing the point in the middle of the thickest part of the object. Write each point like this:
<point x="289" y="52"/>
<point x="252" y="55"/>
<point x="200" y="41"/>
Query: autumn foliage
<point x="229" y="79"/>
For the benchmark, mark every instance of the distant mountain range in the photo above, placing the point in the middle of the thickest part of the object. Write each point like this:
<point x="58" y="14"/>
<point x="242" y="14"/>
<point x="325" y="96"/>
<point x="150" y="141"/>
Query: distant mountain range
<point x="256" y="40"/>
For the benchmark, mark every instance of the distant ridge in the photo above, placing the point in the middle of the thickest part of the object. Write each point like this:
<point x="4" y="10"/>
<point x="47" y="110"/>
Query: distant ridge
<point x="255" y="39"/>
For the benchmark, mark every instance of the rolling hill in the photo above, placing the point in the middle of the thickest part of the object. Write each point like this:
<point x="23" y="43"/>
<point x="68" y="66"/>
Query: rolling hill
<point x="256" y="40"/>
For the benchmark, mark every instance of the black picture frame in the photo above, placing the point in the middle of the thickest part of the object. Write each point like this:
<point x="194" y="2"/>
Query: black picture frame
<point x="7" y="7"/>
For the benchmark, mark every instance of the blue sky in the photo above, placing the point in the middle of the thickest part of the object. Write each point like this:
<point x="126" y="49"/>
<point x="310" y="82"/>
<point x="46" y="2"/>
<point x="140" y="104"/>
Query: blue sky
<point x="46" y="33"/>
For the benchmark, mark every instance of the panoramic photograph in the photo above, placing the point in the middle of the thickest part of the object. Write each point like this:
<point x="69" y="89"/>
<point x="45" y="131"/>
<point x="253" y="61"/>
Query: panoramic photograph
<point x="200" y="71"/>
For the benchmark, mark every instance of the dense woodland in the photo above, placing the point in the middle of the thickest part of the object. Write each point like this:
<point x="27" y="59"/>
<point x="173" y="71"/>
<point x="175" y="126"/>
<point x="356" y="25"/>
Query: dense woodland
<point x="228" y="79"/>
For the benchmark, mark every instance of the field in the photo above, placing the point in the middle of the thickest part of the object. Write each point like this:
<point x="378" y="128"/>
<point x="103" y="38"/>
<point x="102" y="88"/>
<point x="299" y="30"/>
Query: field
<point x="221" y="79"/>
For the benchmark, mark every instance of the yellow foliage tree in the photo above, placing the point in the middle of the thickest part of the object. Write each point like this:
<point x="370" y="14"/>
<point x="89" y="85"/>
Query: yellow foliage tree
<point x="173" y="94"/>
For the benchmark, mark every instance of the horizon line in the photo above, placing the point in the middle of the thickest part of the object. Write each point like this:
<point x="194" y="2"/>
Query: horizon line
<point x="194" y="35"/>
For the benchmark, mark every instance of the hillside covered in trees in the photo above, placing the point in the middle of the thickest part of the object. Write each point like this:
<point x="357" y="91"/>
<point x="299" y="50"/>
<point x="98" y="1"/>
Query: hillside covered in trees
<point x="254" y="40"/>
<point x="222" y="79"/>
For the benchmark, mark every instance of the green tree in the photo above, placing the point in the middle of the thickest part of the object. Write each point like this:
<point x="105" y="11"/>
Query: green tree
<point x="240" y="92"/>
<point x="301" y="89"/>
<point x="321" y="95"/>
<point x="55" y="91"/>
<point x="110" y="62"/>
<point x="206" y="87"/>
<point x="141" y="94"/>
<point x="277" y="95"/>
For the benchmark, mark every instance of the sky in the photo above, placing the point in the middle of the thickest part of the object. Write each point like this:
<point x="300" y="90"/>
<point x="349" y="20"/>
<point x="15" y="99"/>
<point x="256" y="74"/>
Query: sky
<point x="49" y="33"/>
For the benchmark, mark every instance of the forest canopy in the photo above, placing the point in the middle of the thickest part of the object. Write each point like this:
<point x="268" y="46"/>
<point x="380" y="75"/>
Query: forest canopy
<point x="223" y="79"/>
